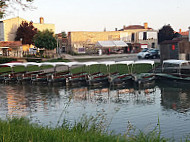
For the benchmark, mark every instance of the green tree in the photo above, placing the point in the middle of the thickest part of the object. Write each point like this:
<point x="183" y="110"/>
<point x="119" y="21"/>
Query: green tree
<point x="45" y="39"/>
<point x="165" y="33"/>
<point x="64" y="35"/>
<point x="4" y="4"/>
<point x="26" y="32"/>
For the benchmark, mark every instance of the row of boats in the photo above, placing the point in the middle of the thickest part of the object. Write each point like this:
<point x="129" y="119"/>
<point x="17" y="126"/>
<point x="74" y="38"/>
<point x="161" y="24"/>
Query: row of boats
<point x="173" y="70"/>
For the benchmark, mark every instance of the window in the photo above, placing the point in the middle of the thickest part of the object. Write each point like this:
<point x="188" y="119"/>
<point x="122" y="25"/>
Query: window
<point x="144" y="35"/>
<point x="133" y="37"/>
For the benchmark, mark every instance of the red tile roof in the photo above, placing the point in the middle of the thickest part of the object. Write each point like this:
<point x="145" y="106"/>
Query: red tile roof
<point x="10" y="43"/>
<point x="135" y="27"/>
<point x="184" y="33"/>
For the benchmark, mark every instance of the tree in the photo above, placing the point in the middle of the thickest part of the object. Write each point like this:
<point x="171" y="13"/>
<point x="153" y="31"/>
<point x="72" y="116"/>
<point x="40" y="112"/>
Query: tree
<point x="165" y="33"/>
<point x="45" y="39"/>
<point x="4" y="4"/>
<point x="64" y="35"/>
<point x="26" y="32"/>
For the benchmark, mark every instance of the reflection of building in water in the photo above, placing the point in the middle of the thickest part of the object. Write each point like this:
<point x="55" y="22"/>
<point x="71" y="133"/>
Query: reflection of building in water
<point x="176" y="98"/>
<point x="19" y="98"/>
<point x="105" y="95"/>
<point x="16" y="102"/>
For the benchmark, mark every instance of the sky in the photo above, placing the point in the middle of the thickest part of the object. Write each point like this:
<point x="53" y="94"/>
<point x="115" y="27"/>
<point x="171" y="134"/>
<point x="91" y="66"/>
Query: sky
<point x="96" y="15"/>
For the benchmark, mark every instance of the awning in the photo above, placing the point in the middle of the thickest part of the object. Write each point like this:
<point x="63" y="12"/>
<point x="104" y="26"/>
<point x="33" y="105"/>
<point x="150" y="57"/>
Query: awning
<point x="110" y="44"/>
<point x="4" y="47"/>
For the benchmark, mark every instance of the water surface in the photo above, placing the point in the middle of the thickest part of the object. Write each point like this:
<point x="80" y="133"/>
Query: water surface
<point x="49" y="105"/>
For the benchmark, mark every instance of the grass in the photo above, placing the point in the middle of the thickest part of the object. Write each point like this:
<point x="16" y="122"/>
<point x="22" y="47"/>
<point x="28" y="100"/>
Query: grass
<point x="86" y="130"/>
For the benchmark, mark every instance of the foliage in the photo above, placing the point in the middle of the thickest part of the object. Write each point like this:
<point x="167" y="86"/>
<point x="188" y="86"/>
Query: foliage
<point x="5" y="4"/>
<point x="45" y="39"/>
<point x="165" y="33"/>
<point x="26" y="32"/>
<point x="64" y="35"/>
<point x="6" y="60"/>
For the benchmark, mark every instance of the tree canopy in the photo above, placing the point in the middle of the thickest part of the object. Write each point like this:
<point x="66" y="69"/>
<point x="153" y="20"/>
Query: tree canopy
<point x="5" y="4"/>
<point x="45" y="39"/>
<point x="26" y="32"/>
<point x="165" y="33"/>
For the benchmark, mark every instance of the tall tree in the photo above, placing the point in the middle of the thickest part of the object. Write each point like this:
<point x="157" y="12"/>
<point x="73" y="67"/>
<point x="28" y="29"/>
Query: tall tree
<point x="26" y="32"/>
<point x="5" y="4"/>
<point x="64" y="35"/>
<point x="45" y="39"/>
<point x="165" y="33"/>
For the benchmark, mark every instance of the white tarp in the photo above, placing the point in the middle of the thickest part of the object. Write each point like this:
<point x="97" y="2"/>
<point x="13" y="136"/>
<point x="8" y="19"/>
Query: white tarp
<point x="110" y="44"/>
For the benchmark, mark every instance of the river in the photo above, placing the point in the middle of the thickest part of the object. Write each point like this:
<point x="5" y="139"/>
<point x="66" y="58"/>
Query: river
<point x="142" y="107"/>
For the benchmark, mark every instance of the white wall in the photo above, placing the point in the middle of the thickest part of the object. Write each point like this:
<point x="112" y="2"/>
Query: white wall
<point x="150" y="35"/>
<point x="1" y="32"/>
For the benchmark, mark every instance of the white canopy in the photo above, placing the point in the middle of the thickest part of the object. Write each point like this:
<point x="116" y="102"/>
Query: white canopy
<point x="144" y="62"/>
<point x="89" y="63"/>
<point x="178" y="62"/>
<point x="107" y="63"/>
<point x="125" y="62"/>
<point x="110" y="44"/>
<point x="12" y="64"/>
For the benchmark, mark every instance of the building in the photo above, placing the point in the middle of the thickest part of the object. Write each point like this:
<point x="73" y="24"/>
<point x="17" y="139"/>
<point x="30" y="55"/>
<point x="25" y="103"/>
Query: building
<point x="8" y="29"/>
<point x="136" y="36"/>
<point x="178" y="48"/>
<point x="11" y="48"/>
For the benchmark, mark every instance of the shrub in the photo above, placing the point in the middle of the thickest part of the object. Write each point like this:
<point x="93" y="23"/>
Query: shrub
<point x="6" y="60"/>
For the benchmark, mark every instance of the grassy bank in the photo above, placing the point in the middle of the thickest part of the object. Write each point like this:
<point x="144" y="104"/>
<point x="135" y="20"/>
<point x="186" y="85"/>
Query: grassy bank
<point x="20" y="130"/>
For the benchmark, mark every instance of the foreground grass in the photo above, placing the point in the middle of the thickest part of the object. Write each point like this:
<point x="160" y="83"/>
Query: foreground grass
<point x="20" y="130"/>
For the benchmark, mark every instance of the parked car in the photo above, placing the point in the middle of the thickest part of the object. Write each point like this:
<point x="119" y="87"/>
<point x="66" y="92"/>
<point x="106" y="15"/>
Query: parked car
<point x="143" y="54"/>
<point x="154" y="53"/>
<point x="148" y="53"/>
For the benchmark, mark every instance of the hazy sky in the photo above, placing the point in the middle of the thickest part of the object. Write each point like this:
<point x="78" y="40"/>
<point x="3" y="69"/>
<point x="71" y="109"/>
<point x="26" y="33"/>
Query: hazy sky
<point x="95" y="15"/>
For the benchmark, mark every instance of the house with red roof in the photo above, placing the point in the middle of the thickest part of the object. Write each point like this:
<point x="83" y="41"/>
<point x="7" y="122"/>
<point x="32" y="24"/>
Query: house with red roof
<point x="11" y="48"/>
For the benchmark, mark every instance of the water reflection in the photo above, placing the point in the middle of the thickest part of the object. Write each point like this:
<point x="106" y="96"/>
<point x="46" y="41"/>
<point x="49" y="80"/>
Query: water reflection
<point x="141" y="106"/>
<point x="175" y="97"/>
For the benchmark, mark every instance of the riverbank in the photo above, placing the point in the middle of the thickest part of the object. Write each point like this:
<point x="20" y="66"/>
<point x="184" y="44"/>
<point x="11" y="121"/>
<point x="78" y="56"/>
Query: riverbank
<point x="21" y="130"/>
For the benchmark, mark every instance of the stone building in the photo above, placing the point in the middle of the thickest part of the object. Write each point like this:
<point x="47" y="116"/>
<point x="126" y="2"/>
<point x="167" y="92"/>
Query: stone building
<point x="136" y="36"/>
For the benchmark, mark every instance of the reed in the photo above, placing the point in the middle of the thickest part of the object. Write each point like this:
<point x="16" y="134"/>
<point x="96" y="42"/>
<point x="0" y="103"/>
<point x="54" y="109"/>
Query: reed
<point x="86" y="130"/>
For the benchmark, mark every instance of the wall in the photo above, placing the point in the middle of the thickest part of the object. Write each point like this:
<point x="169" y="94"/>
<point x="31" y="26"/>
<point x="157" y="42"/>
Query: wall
<point x="81" y="39"/>
<point x="11" y="26"/>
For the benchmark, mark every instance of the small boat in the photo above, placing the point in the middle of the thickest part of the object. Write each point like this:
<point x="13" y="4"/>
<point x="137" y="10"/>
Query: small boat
<point x="122" y="79"/>
<point x="59" y="77"/>
<point x="79" y="79"/>
<point x="41" y="77"/>
<point x="144" y="79"/>
<point x="12" y="77"/>
<point x="177" y="71"/>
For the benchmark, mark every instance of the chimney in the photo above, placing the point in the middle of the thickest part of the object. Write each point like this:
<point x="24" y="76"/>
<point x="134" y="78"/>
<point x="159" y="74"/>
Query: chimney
<point x="41" y="20"/>
<point x="146" y="25"/>
<point x="179" y="30"/>
<point x="123" y="27"/>
<point x="115" y="29"/>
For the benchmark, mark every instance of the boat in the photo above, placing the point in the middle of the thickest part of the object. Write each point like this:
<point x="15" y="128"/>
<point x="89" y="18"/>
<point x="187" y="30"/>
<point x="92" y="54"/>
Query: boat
<point x="144" y="79"/>
<point x="177" y="71"/>
<point x="122" y="79"/>
<point x="99" y="78"/>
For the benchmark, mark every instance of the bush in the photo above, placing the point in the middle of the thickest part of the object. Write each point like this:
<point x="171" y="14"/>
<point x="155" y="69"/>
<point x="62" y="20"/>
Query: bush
<point x="6" y="60"/>
<point x="33" y="59"/>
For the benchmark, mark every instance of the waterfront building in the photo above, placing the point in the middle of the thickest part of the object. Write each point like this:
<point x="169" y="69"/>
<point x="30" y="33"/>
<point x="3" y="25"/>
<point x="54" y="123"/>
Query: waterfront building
<point x="136" y="36"/>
